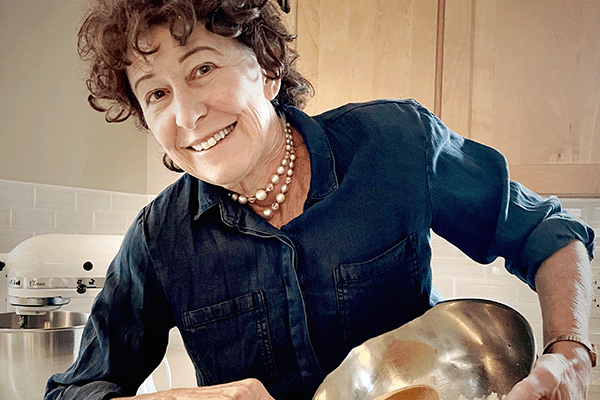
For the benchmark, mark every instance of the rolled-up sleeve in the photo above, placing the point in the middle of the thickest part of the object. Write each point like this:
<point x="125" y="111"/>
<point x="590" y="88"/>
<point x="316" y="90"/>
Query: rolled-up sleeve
<point x="126" y="335"/>
<point x="479" y="209"/>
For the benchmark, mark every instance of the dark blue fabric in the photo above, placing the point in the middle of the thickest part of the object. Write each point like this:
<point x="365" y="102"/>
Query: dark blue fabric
<point x="286" y="306"/>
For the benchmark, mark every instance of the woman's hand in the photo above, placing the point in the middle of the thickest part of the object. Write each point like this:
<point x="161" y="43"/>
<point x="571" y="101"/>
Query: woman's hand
<point x="562" y="374"/>
<point x="248" y="389"/>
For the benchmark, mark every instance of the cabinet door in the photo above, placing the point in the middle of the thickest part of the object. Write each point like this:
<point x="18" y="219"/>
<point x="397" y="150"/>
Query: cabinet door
<point x="524" y="77"/>
<point x="367" y="49"/>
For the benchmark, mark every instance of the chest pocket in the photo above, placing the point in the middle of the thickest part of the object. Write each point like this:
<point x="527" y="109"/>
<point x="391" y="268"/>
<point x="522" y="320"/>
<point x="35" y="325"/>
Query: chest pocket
<point x="380" y="294"/>
<point x="230" y="341"/>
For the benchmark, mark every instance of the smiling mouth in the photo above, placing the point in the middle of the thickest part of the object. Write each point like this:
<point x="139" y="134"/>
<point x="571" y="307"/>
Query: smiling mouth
<point x="216" y="138"/>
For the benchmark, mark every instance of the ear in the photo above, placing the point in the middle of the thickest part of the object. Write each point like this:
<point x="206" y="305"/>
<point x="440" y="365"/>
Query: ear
<point x="271" y="86"/>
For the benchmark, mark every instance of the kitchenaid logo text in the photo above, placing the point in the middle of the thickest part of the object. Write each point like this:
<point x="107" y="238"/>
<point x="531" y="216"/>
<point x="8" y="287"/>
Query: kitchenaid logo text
<point x="54" y="283"/>
<point x="14" y="282"/>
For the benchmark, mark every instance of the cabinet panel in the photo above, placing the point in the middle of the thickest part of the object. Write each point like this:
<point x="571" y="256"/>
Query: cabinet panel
<point x="368" y="49"/>
<point x="524" y="77"/>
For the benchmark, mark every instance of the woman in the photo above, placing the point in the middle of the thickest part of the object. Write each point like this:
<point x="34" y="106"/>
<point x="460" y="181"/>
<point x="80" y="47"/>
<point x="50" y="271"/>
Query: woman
<point x="292" y="239"/>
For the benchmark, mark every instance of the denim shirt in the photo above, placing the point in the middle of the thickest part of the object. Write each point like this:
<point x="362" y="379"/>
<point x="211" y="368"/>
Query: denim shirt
<point x="287" y="305"/>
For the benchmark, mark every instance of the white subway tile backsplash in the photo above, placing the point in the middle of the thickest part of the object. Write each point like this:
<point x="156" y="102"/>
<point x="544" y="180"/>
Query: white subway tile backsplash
<point x="54" y="197"/>
<point x="20" y="194"/>
<point x="4" y="217"/>
<point x="92" y="200"/>
<point x="127" y="202"/>
<point x="32" y="218"/>
<point x="109" y="223"/>
<point x="458" y="267"/>
<point x="445" y="286"/>
<point x="75" y="220"/>
<point x="497" y="272"/>
<point x="28" y="209"/>
<point x="595" y="216"/>
<point x="498" y="291"/>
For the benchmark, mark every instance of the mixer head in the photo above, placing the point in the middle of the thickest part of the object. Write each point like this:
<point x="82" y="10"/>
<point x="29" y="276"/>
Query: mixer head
<point x="46" y="272"/>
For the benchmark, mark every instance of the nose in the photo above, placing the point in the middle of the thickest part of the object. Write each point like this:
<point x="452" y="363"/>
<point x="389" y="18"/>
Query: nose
<point x="189" y="108"/>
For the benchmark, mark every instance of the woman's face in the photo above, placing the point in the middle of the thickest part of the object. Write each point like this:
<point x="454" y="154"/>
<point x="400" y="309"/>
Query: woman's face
<point x="207" y="103"/>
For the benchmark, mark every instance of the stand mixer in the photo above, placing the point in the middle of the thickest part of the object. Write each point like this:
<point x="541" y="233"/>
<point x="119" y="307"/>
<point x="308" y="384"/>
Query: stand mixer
<point x="47" y="272"/>
<point x="44" y="274"/>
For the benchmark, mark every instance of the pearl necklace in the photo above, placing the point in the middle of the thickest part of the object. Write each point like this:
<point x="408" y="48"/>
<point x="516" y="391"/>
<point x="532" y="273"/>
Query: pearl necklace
<point x="286" y="168"/>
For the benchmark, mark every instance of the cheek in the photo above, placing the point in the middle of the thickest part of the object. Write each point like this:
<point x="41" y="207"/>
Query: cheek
<point x="164" y="134"/>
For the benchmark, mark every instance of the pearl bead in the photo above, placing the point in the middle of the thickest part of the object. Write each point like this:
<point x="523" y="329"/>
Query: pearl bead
<point x="285" y="169"/>
<point x="261" y="195"/>
<point x="267" y="213"/>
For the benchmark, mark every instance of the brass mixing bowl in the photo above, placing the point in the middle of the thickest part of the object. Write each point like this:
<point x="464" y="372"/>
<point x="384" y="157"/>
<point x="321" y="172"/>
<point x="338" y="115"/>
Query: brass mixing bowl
<point x="468" y="347"/>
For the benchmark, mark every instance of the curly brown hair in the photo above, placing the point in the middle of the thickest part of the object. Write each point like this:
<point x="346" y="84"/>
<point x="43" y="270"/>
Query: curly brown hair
<point x="113" y="28"/>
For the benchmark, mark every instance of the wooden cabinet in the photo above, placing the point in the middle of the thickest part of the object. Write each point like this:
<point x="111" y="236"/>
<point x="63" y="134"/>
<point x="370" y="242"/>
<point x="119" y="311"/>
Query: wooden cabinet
<point x="367" y="49"/>
<point x="522" y="76"/>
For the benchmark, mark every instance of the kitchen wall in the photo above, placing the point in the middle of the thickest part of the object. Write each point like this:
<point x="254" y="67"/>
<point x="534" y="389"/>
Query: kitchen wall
<point x="48" y="132"/>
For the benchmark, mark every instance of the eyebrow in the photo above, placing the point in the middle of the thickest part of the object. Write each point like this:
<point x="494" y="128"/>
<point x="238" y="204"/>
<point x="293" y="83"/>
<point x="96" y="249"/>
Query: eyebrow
<point x="181" y="59"/>
<point x="197" y="49"/>
<point x="144" y="77"/>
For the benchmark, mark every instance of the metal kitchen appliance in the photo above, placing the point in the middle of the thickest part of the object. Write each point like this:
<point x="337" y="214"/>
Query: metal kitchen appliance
<point x="46" y="273"/>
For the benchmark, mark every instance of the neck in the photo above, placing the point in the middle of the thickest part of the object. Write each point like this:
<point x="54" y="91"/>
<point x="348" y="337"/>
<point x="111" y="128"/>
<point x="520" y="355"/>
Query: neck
<point x="261" y="174"/>
<point x="275" y="191"/>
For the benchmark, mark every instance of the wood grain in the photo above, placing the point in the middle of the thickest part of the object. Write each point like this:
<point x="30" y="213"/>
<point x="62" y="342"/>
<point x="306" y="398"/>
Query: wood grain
<point x="368" y="49"/>
<point x="522" y="76"/>
<point x="563" y="180"/>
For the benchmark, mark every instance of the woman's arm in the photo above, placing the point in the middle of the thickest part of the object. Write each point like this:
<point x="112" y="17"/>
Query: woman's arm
<point x="564" y="286"/>
<point x="247" y="389"/>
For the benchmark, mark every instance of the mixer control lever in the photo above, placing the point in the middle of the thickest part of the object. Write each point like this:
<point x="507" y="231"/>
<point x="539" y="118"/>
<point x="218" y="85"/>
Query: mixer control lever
<point x="81" y="288"/>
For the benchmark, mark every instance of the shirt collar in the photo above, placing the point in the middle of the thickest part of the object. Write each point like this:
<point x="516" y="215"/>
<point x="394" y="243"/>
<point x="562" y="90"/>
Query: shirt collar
<point x="323" y="177"/>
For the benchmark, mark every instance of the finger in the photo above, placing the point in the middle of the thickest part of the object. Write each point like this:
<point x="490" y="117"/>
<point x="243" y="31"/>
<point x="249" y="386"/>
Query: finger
<point x="542" y="381"/>
<point x="523" y="390"/>
<point x="257" y="389"/>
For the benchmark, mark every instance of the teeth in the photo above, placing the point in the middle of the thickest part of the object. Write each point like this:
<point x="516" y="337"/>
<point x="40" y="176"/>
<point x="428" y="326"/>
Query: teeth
<point x="214" y="140"/>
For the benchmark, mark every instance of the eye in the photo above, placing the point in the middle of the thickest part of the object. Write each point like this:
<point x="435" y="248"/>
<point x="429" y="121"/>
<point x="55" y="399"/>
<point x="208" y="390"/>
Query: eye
<point x="202" y="70"/>
<point x="155" y="96"/>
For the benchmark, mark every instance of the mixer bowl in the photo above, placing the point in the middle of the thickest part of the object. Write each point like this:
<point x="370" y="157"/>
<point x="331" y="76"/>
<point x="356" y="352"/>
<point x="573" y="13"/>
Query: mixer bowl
<point x="28" y="357"/>
<point x="467" y="347"/>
